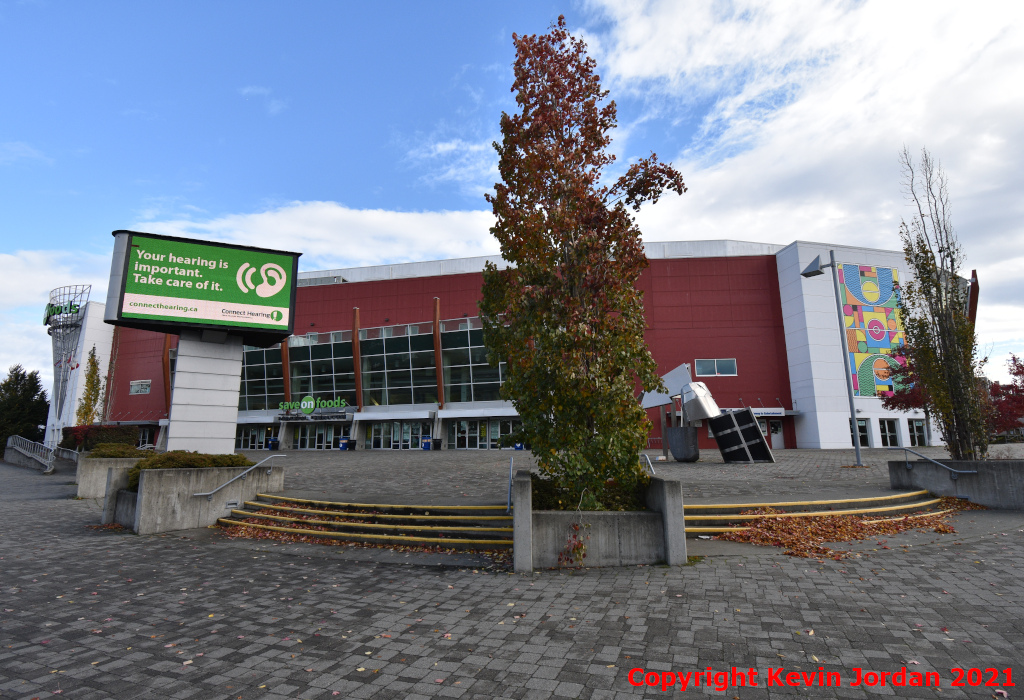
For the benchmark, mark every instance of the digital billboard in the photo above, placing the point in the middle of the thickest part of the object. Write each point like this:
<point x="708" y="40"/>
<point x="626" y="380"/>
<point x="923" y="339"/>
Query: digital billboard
<point x="166" y="284"/>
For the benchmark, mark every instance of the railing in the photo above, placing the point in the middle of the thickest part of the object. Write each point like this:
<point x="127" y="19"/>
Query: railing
<point x="508" y="509"/>
<point x="40" y="453"/>
<point x="643" y="456"/>
<point x="953" y="473"/>
<point x="209" y="494"/>
<point x="64" y="453"/>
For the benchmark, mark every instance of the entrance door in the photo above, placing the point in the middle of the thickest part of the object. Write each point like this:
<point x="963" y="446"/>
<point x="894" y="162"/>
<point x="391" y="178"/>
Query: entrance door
<point x="918" y="437"/>
<point x="494" y="434"/>
<point x="889" y="431"/>
<point x="862" y="432"/>
<point x="778" y="439"/>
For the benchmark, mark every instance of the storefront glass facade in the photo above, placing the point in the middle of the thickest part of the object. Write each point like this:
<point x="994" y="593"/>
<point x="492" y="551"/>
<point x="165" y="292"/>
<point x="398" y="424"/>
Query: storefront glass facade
<point x="262" y="385"/>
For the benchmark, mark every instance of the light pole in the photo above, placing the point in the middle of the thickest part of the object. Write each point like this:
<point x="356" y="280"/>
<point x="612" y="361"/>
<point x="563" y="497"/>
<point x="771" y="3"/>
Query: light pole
<point x="813" y="270"/>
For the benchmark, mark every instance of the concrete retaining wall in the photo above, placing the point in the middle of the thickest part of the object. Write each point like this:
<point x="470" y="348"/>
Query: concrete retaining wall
<point x="615" y="538"/>
<point x="166" y="502"/>
<point x="91" y="475"/>
<point x="124" y="508"/>
<point x="12" y="455"/>
<point x="998" y="483"/>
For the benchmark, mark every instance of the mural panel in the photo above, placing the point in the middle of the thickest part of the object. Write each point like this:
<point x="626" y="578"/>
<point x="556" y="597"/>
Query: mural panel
<point x="874" y="329"/>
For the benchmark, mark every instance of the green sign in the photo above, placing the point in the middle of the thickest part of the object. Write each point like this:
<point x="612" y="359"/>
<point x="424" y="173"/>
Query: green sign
<point x="59" y="310"/>
<point x="309" y="404"/>
<point x="194" y="283"/>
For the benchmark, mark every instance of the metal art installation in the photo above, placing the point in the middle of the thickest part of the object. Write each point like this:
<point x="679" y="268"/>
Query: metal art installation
<point x="64" y="316"/>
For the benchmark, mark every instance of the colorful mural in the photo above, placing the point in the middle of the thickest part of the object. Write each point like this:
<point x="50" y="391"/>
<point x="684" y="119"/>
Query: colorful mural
<point x="874" y="330"/>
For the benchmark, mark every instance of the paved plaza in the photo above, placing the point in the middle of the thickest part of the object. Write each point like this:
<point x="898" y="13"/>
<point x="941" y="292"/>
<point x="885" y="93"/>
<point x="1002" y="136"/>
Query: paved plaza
<point x="91" y="613"/>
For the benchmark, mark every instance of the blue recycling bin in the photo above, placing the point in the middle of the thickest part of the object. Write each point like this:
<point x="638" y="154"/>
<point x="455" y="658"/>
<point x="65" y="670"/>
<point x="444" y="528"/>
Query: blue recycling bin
<point x="425" y="442"/>
<point x="343" y="444"/>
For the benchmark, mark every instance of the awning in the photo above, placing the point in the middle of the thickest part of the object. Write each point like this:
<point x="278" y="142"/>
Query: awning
<point x="392" y="415"/>
<point x="496" y="412"/>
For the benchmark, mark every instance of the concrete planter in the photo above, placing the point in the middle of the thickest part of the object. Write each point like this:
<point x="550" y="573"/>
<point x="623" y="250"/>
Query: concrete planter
<point x="91" y="474"/>
<point x="166" y="502"/>
<point x="998" y="483"/>
<point x="615" y="538"/>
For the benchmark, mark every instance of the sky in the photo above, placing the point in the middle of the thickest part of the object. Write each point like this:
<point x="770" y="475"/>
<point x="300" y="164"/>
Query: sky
<point x="361" y="134"/>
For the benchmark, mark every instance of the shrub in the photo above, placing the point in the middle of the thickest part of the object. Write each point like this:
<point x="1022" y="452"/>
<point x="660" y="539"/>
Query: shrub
<point x="86" y="437"/>
<point x="548" y="496"/>
<point x="117" y="449"/>
<point x="180" y="459"/>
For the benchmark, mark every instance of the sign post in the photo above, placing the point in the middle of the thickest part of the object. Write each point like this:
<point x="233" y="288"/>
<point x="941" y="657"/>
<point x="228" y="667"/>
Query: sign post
<point x="215" y="297"/>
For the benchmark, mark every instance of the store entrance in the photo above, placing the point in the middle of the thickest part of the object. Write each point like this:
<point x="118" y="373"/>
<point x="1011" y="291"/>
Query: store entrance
<point x="319" y="436"/>
<point x="478" y="434"/>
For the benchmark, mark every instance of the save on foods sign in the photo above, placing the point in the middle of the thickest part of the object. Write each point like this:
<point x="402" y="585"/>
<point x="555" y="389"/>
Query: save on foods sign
<point x="167" y="284"/>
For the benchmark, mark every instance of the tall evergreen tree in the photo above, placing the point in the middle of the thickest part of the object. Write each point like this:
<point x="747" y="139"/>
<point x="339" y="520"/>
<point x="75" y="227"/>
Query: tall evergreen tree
<point x="566" y="315"/>
<point x="23" y="405"/>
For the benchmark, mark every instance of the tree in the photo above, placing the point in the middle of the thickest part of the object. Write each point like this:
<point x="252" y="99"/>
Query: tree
<point x="566" y="315"/>
<point x="934" y="308"/>
<point x="23" y="405"/>
<point x="89" y="405"/>
<point x="1008" y="399"/>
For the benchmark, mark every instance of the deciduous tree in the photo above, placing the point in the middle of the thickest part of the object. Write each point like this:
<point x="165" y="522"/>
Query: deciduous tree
<point x="1008" y="399"/>
<point x="934" y="306"/>
<point x="566" y="315"/>
<point x="89" y="405"/>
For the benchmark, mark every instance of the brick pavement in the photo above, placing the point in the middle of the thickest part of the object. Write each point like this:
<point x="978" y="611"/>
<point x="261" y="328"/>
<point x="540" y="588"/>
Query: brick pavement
<point x="88" y="613"/>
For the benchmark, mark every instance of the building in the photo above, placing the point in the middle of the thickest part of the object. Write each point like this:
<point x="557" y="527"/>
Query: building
<point x="388" y="355"/>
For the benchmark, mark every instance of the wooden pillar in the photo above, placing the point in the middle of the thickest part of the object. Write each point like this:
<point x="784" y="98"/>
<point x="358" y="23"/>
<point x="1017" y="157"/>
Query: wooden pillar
<point x="437" y="352"/>
<point x="286" y="371"/>
<point x="356" y="363"/>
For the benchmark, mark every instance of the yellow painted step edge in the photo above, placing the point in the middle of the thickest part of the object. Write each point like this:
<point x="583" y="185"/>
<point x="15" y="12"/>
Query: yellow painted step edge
<point x="343" y="535"/>
<point x="378" y="505"/>
<point x="818" y="513"/>
<point x="258" y="504"/>
<point x="712" y="530"/>
<point x="710" y="506"/>
<point x="279" y="518"/>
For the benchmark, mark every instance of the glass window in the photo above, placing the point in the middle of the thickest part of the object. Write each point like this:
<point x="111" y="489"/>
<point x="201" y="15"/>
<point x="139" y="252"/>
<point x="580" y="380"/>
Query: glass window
<point x="455" y="339"/>
<point x="476" y="338"/>
<point x="715" y="368"/>
<point x="456" y="393"/>
<point x="371" y="347"/>
<point x="424" y="377"/>
<point x="300" y="369"/>
<point x="344" y="382"/>
<point x="457" y="375"/>
<point x="300" y="352"/>
<point x="301" y="386"/>
<point x="323" y="367"/>
<point x="373" y="363"/>
<point x="455" y="357"/>
<point x="321" y="352"/>
<point x="254" y="372"/>
<point x="323" y="384"/>
<point x="423" y="359"/>
<point x="397" y="397"/>
<point x="397" y="361"/>
<point x="394" y="345"/>
<point x="373" y="397"/>
<point x="478" y="356"/>
<point x="254" y="357"/>
<point x="425" y="394"/>
<point x="890" y="432"/>
<point x="343" y="349"/>
<point x="255" y="388"/>
<point x="421" y="342"/>
<point x="273" y="356"/>
<point x="373" y="380"/>
<point x="486" y="392"/>
<point x="484" y="373"/>
<point x="399" y="378"/>
<point x="275" y="386"/>
<point x="343" y="365"/>
<point x="275" y="371"/>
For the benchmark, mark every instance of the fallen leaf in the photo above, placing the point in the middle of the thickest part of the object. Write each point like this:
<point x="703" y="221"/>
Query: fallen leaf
<point x="186" y="663"/>
<point x="360" y="669"/>
<point x="916" y="663"/>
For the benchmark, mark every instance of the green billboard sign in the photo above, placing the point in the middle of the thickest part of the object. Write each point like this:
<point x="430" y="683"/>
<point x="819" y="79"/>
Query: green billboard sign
<point x="167" y="282"/>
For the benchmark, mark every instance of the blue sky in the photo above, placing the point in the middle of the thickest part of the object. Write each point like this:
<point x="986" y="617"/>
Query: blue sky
<point x="360" y="133"/>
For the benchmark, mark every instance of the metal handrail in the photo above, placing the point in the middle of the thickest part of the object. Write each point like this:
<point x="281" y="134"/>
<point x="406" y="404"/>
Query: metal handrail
<point x="209" y="495"/>
<point x="649" y="465"/>
<point x="508" y="509"/>
<point x="37" y="451"/>
<point x="953" y="473"/>
<point x="64" y="453"/>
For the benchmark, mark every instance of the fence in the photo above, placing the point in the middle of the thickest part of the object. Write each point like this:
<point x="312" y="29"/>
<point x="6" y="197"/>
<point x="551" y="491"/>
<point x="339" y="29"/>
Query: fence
<point x="38" y="452"/>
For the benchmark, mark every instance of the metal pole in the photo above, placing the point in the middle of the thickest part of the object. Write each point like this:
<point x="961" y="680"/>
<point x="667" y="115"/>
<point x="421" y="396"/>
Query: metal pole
<point x="854" y="428"/>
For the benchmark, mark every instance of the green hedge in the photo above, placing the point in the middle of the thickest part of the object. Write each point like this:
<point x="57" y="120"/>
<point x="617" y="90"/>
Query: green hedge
<point x="87" y="437"/>
<point x="108" y="450"/>
<point x="547" y="496"/>
<point x="180" y="459"/>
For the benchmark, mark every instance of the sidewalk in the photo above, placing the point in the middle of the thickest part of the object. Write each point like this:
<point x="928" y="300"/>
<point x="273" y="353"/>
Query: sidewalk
<point x="89" y="613"/>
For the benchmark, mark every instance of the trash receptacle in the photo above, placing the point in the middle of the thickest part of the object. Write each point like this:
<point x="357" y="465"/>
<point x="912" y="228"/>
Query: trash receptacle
<point x="519" y="446"/>
<point x="435" y="443"/>
<point x="343" y="444"/>
<point x="275" y="445"/>
<point x="425" y="442"/>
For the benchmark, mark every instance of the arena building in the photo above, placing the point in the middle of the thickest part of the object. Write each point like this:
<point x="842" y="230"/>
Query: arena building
<point x="384" y="357"/>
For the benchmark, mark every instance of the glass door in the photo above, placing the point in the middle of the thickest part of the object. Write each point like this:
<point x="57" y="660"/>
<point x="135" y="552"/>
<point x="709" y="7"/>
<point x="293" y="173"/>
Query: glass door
<point x="890" y="432"/>
<point x="917" y="433"/>
<point x="494" y="433"/>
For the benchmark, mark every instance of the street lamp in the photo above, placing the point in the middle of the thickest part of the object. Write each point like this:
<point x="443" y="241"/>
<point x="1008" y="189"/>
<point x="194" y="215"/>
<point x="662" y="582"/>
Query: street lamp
<point x="813" y="270"/>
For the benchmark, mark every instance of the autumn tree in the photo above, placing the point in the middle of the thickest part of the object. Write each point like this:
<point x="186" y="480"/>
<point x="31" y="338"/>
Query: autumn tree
<point x="23" y="405"/>
<point x="1008" y="399"/>
<point x="934" y="309"/>
<point x="89" y="405"/>
<point x="566" y="315"/>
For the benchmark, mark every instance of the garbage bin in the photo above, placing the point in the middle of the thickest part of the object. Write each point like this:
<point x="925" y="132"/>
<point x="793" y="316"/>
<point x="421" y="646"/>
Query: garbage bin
<point x="519" y="446"/>
<point x="425" y="442"/>
<point x="343" y="444"/>
<point x="351" y="442"/>
<point x="275" y="445"/>
<point x="435" y="443"/>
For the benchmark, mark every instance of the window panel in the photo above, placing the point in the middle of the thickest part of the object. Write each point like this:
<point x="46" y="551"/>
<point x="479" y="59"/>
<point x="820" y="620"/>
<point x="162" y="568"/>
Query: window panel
<point x="301" y="386"/>
<point x="274" y="400"/>
<point x="457" y="393"/>
<point x="273" y="356"/>
<point x="455" y="357"/>
<point x="373" y="397"/>
<point x="394" y="345"/>
<point x="421" y="342"/>
<point x="371" y="347"/>
<point x="342" y="350"/>
<point x="324" y="384"/>
<point x="486" y="392"/>
<point x="398" y="397"/>
<point x="484" y="373"/>
<point x="299" y="352"/>
<point x="373" y="380"/>
<point x="476" y="338"/>
<point x="457" y="375"/>
<point x="455" y="339"/>
<point x="423" y="359"/>
<point x="343" y="365"/>
<point x="253" y="357"/>
<point x="344" y="382"/>
<point x="397" y="361"/>
<point x="275" y="386"/>
<point x="726" y="367"/>
<point x="275" y="371"/>
<point x="399" y="378"/>
<point x="705" y="368"/>
<point x="256" y="403"/>
<point x="320" y="352"/>
<point x="373" y="363"/>
<point x="478" y="356"/>
<point x="424" y="394"/>
<point x="424" y="377"/>
<point x="323" y="367"/>
<point x="300" y="369"/>
<point x="255" y="372"/>
<point x="253" y="388"/>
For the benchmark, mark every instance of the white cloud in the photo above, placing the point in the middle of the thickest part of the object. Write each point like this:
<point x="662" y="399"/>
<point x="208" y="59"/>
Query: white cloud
<point x="254" y="90"/>
<point x="805" y="107"/>
<point x="273" y="106"/>
<point x="470" y="165"/>
<point x="11" y="151"/>
<point x="331" y="235"/>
